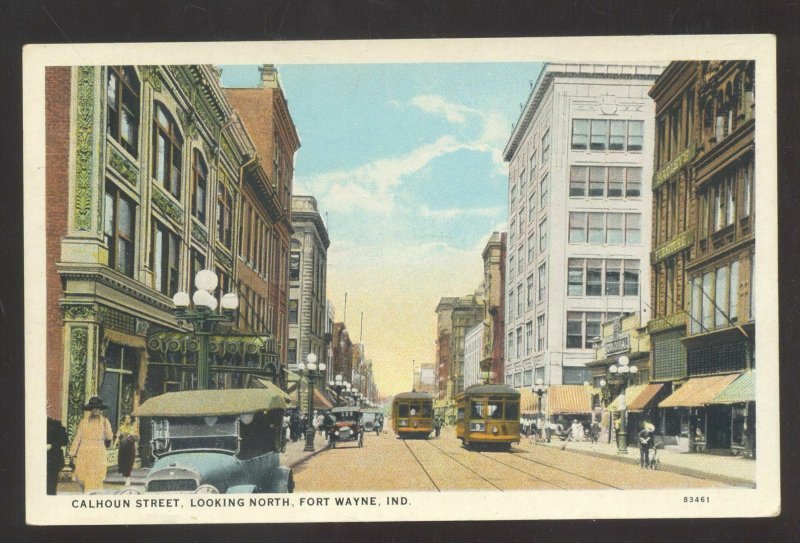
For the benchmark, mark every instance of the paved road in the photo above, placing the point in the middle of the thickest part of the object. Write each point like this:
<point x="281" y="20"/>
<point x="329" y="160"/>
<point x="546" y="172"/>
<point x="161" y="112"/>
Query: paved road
<point x="386" y="463"/>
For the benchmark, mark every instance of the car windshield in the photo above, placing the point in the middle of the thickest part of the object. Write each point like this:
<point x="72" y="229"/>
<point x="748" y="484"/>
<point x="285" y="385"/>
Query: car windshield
<point x="187" y="433"/>
<point x="369" y="417"/>
<point x="345" y="415"/>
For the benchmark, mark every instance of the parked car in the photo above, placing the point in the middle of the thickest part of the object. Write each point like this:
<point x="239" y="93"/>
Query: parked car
<point x="346" y="426"/>
<point x="217" y="441"/>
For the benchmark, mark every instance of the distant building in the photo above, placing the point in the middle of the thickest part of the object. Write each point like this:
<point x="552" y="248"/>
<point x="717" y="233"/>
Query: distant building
<point x="444" y="332"/>
<point x="342" y="352"/>
<point x="494" y="271"/>
<point x="330" y="315"/>
<point x="474" y="354"/>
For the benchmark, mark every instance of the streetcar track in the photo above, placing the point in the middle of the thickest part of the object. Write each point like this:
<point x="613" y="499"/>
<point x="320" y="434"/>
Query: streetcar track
<point x="551" y="467"/>
<point x="421" y="465"/>
<point x="457" y="462"/>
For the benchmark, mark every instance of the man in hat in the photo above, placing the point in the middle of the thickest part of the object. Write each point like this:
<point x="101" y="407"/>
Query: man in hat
<point x="646" y="441"/>
<point x="89" y="446"/>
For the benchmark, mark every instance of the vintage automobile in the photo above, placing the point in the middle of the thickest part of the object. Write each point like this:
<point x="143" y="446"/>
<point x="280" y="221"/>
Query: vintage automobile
<point x="346" y="426"/>
<point x="372" y="421"/>
<point x="217" y="441"/>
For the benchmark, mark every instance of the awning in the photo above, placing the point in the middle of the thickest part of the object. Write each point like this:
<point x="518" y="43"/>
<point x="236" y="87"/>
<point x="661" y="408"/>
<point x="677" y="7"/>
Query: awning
<point x="528" y="402"/>
<point x="646" y="396"/>
<point x="569" y="400"/>
<point x="741" y="390"/>
<point x="699" y="391"/>
<point x="202" y="403"/>
<point x="631" y="393"/>
<point x="259" y="382"/>
<point x="320" y="401"/>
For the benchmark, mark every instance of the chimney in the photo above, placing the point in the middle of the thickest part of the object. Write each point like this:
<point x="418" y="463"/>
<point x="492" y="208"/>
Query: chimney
<point x="269" y="76"/>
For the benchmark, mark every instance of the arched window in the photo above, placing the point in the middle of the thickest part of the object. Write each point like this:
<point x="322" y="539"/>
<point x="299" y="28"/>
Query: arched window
<point x="122" y="107"/>
<point x="167" y="147"/>
<point x="224" y="214"/>
<point x="199" y="184"/>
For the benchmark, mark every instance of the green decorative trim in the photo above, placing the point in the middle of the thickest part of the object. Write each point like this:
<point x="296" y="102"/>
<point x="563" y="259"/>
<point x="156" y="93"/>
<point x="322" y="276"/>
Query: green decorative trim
<point x="223" y="257"/>
<point x="84" y="148"/>
<point x="123" y="166"/>
<point x="152" y="75"/>
<point x="228" y="150"/>
<point x="680" y="242"/>
<point x="80" y="312"/>
<point x="674" y="165"/>
<point x="199" y="233"/>
<point x="167" y="207"/>
<point x="666" y="323"/>
<point x="78" y="348"/>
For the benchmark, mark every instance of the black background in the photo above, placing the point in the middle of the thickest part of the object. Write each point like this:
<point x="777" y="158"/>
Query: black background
<point x="70" y="21"/>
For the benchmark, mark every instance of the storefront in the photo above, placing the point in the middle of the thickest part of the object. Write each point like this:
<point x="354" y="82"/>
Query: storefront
<point x="566" y="403"/>
<point x="740" y="397"/>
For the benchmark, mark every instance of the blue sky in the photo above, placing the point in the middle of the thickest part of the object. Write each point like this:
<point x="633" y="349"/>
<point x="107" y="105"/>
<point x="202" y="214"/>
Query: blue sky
<point x="405" y="159"/>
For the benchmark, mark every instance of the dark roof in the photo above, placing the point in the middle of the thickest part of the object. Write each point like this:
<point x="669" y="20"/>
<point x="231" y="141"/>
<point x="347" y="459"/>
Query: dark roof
<point x="413" y="396"/>
<point x="491" y="389"/>
<point x="201" y="403"/>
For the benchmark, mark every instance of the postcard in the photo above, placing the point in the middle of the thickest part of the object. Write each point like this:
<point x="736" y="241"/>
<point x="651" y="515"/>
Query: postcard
<point x="401" y="280"/>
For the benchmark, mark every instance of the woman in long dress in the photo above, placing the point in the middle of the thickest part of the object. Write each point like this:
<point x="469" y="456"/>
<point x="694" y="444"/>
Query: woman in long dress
<point x="127" y="436"/>
<point x="89" y="446"/>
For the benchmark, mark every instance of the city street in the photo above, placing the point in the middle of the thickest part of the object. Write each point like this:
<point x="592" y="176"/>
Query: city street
<point x="387" y="463"/>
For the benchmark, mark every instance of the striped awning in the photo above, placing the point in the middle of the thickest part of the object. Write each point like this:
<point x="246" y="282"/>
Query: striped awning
<point x="699" y="391"/>
<point x="569" y="400"/>
<point x="321" y="401"/>
<point x="631" y="393"/>
<point x="528" y="401"/>
<point x="741" y="390"/>
<point x="641" y="402"/>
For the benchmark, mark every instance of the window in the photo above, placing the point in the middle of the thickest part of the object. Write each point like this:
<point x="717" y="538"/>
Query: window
<point x="616" y="140"/>
<point x="510" y="343"/>
<point x="597" y="277"/>
<point x="521" y="221"/>
<point x="199" y="183"/>
<point x="293" y="310"/>
<point x="747" y="190"/>
<point x="543" y="190"/>
<point x="614" y="229"/>
<point x="530" y="291"/>
<point x="542" y="235"/>
<point x="224" y="214"/>
<point x="633" y="182"/>
<point x="531" y="248"/>
<point x="631" y="278"/>
<point x="576" y="375"/>
<point x="597" y="181"/>
<point x="708" y="279"/>
<point x="575" y="277"/>
<point x="541" y="336"/>
<point x="166" y="259"/>
<point x="599" y="136"/>
<point x="532" y="206"/>
<point x="512" y="198"/>
<point x="517" y="379"/>
<point x="546" y="146"/>
<point x="577" y="181"/>
<point x="597" y="228"/>
<point x="511" y="267"/>
<point x="721" y="297"/>
<point x="584" y="327"/>
<point x="715" y="297"/>
<point x="119" y="227"/>
<point x="291" y="354"/>
<point x="542" y="282"/>
<point x="633" y="229"/>
<point x="574" y="330"/>
<point x="198" y="263"/>
<point x="520" y="300"/>
<point x="613" y="277"/>
<point x="510" y="304"/>
<point x="616" y="182"/>
<point x="168" y="145"/>
<point x="294" y="266"/>
<point x="529" y="337"/>
<point x="122" y="107"/>
<point x="520" y="260"/>
<point x="730" y="201"/>
<point x="594" y="277"/>
<point x="522" y="181"/>
<point x="635" y="135"/>
<point x="533" y="165"/>
<point x="580" y="134"/>
<point x="527" y="380"/>
<point x="512" y="231"/>
<point x="519" y="342"/>
<point x="577" y="227"/>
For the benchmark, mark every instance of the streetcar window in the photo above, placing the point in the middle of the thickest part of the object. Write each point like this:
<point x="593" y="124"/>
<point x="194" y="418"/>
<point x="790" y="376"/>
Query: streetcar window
<point x="460" y="414"/>
<point x="495" y="410"/>
<point x="426" y="410"/>
<point x="512" y="410"/>
<point x="476" y="410"/>
<point x="414" y="409"/>
<point x="403" y="410"/>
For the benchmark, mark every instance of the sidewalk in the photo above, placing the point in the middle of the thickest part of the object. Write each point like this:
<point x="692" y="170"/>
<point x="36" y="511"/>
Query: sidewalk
<point x="293" y="456"/>
<point x="733" y="470"/>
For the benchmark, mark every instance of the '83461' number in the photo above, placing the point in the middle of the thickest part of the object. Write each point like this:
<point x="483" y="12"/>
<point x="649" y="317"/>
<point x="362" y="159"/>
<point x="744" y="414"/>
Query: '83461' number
<point x="696" y="499"/>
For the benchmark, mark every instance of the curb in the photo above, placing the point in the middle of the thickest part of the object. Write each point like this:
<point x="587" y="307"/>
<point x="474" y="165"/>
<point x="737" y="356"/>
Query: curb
<point x="680" y="470"/>
<point x="309" y="455"/>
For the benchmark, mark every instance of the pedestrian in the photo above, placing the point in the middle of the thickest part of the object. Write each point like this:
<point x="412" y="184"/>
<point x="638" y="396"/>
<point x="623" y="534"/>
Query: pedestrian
<point x="88" y="448"/>
<point x="594" y="431"/>
<point x="645" y="443"/>
<point x="56" y="441"/>
<point x="437" y="425"/>
<point x="576" y="430"/>
<point x="127" y="438"/>
<point x="616" y="429"/>
<point x="294" y="424"/>
<point x="318" y="418"/>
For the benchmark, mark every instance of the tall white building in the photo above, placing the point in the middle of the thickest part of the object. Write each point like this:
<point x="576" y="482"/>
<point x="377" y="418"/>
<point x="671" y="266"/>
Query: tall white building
<point x="580" y="164"/>
<point x="473" y="353"/>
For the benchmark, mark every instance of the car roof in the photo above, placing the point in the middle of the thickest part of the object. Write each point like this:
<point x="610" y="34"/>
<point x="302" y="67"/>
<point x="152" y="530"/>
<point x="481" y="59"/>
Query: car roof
<point x="345" y="409"/>
<point x="189" y="403"/>
<point x="413" y="395"/>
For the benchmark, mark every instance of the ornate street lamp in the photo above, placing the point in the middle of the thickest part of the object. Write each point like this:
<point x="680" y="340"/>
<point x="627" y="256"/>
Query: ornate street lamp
<point x="605" y="398"/>
<point x="622" y="373"/>
<point x="337" y="385"/>
<point x="312" y="372"/>
<point x="540" y="390"/>
<point x="203" y="316"/>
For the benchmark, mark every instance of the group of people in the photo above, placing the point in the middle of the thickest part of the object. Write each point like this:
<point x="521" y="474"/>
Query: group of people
<point x="295" y="425"/>
<point x="87" y="453"/>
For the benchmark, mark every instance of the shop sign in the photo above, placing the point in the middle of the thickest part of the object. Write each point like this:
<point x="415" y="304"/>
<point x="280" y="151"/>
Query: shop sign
<point x="674" y="165"/>
<point x="676" y="244"/>
<point x="618" y="345"/>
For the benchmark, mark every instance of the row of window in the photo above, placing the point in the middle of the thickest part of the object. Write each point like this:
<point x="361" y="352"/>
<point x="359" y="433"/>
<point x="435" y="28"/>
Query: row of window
<point x="584" y="326"/>
<point x="605" y="228"/>
<point x="602" y="134"/>
<point x="715" y="298"/>
<point x="534" y="247"/>
<point x="602" y="277"/>
<point x="533" y="203"/>
<point x="718" y="203"/>
<point x="516" y="348"/>
<point x="526" y="301"/>
<point x="605" y="182"/>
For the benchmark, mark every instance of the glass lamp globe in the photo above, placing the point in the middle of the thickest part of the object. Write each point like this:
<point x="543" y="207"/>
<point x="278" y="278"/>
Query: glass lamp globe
<point x="624" y="360"/>
<point x="201" y="298"/>
<point x="206" y="280"/>
<point x="181" y="299"/>
<point x="230" y="301"/>
<point x="613" y="369"/>
<point x="311" y="358"/>
<point x="634" y="369"/>
<point x="301" y="366"/>
<point x="322" y="366"/>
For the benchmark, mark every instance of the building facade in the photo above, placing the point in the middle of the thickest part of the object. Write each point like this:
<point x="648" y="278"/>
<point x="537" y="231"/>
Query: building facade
<point x="703" y="260"/>
<point x="145" y="187"/>
<point x="444" y="332"/>
<point x="307" y="282"/>
<point x="580" y="163"/>
<point x="474" y="354"/>
<point x="494" y="275"/>
<point x="342" y="352"/>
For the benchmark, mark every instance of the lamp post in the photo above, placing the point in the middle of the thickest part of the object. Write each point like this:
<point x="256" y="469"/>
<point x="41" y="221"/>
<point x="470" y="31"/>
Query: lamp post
<point x="337" y="384"/>
<point x="312" y="371"/>
<point x="540" y="390"/>
<point x="622" y="372"/>
<point x="204" y="318"/>
<point x="605" y="398"/>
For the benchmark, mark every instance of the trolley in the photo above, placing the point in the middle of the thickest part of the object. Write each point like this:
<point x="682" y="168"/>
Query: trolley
<point x="412" y="414"/>
<point x="488" y="415"/>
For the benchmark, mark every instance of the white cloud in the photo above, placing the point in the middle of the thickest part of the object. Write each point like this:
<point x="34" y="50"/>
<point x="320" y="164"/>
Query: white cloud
<point x="455" y="113"/>
<point x="452" y="213"/>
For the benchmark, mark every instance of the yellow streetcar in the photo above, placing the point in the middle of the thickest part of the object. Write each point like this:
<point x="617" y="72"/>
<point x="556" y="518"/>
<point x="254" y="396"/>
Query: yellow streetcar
<point x="412" y="414"/>
<point x="488" y="415"/>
